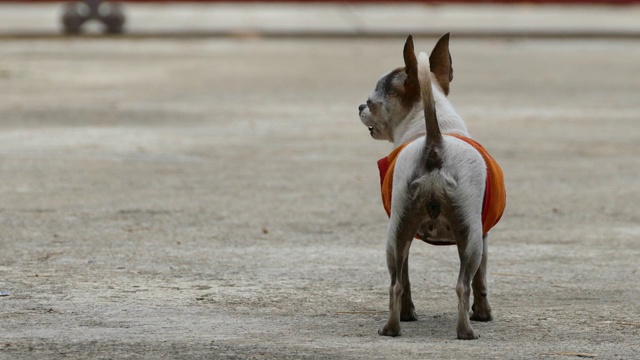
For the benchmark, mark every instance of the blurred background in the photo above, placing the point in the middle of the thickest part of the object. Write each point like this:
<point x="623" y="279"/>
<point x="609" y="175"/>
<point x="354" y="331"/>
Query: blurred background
<point x="322" y="18"/>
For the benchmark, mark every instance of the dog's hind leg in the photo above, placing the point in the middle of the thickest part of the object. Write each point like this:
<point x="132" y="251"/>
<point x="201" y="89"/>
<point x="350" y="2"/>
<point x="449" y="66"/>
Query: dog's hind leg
<point x="470" y="252"/>
<point x="407" y="309"/>
<point x="400" y="235"/>
<point x="481" y="308"/>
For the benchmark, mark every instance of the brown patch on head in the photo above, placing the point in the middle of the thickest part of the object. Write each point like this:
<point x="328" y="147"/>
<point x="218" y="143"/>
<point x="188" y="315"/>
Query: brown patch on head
<point x="411" y="83"/>
<point x="392" y="83"/>
<point x="440" y="63"/>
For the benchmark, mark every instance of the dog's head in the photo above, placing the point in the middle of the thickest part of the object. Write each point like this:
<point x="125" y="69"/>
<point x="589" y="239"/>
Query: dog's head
<point x="398" y="92"/>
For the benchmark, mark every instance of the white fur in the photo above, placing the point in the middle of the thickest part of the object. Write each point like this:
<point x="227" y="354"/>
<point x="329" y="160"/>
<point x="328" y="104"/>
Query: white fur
<point x="463" y="174"/>
<point x="412" y="127"/>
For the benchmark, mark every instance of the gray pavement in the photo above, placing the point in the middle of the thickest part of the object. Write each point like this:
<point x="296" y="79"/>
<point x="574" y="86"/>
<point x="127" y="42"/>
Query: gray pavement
<point x="219" y="198"/>
<point x="250" y="19"/>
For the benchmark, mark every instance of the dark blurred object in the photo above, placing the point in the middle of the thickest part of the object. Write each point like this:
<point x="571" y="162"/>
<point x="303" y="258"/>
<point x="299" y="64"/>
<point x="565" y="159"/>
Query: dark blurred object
<point x="109" y="13"/>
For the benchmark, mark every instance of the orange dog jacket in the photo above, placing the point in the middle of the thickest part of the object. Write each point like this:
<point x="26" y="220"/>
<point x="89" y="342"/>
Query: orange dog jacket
<point x="495" y="195"/>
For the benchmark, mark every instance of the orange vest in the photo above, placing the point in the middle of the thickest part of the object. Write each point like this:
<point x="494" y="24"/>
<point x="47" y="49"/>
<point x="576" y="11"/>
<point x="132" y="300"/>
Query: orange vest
<point x="495" y="195"/>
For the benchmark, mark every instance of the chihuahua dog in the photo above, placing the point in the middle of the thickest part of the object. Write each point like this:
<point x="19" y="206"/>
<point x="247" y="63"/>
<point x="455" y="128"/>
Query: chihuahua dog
<point x="447" y="189"/>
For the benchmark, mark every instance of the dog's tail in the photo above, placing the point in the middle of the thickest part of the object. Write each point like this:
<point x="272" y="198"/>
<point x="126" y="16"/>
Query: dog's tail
<point x="433" y="143"/>
<point x="429" y="190"/>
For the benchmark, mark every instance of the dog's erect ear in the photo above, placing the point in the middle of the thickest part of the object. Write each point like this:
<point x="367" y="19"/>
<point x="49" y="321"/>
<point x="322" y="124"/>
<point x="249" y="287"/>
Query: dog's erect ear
<point x="411" y="84"/>
<point x="440" y="63"/>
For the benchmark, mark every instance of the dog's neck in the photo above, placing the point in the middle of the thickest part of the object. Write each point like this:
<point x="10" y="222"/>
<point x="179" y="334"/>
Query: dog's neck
<point x="413" y="125"/>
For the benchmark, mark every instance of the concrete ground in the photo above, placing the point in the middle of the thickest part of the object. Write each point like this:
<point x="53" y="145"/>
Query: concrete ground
<point x="218" y="198"/>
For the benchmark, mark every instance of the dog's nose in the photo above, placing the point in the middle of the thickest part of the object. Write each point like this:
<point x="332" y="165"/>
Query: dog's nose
<point x="361" y="107"/>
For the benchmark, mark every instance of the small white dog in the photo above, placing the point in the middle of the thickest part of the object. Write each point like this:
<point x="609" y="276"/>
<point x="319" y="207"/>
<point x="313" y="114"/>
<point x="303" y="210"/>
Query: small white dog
<point x="447" y="190"/>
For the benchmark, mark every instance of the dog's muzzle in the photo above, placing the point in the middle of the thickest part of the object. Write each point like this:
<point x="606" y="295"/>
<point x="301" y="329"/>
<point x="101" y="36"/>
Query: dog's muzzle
<point x="360" y="110"/>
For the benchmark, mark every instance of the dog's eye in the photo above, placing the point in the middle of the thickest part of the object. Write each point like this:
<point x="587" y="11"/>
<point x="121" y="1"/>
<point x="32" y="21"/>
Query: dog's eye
<point x="373" y="107"/>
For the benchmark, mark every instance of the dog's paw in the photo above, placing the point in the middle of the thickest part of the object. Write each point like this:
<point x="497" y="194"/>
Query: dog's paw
<point x="475" y="316"/>
<point x="467" y="334"/>
<point x="480" y="314"/>
<point x="387" y="330"/>
<point x="408" y="315"/>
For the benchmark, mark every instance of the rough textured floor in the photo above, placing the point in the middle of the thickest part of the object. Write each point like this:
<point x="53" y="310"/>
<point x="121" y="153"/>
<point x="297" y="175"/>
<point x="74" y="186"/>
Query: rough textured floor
<point x="219" y="199"/>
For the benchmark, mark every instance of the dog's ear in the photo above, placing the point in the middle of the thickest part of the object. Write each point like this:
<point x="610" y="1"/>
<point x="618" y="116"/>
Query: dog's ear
<point x="440" y="63"/>
<point x="411" y="84"/>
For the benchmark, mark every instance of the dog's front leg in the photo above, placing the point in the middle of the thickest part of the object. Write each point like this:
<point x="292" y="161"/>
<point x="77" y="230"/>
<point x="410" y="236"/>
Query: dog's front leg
<point x="481" y="308"/>
<point x="470" y="252"/>
<point x="400" y="236"/>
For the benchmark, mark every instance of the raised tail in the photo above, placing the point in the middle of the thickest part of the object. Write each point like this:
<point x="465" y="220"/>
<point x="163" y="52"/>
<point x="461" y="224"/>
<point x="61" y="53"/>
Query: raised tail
<point x="429" y="189"/>
<point x="433" y="143"/>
